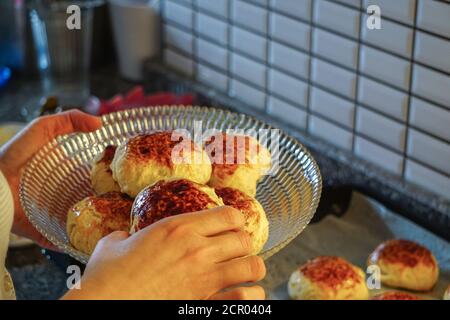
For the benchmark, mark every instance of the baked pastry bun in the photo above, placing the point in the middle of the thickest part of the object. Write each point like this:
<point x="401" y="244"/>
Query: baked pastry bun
<point x="328" y="278"/>
<point x="237" y="161"/>
<point x="168" y="198"/>
<point x="447" y="293"/>
<point x="395" y="295"/>
<point x="97" y="216"/>
<point x="101" y="174"/>
<point x="256" y="223"/>
<point x="148" y="158"/>
<point x="405" y="264"/>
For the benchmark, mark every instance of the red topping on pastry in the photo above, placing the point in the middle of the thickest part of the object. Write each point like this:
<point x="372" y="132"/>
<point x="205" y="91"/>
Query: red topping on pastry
<point x="395" y="295"/>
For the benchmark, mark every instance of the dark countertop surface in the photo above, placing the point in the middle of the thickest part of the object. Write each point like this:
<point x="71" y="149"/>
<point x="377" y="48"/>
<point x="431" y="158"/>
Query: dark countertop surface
<point x="36" y="277"/>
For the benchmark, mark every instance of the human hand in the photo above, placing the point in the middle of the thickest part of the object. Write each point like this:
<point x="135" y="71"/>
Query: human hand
<point x="189" y="256"/>
<point x="17" y="152"/>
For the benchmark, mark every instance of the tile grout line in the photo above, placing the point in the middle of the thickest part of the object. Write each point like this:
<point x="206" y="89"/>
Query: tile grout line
<point x="194" y="45"/>
<point x="358" y="65"/>
<point x="411" y="76"/>
<point x="310" y="65"/>
<point x="268" y="45"/>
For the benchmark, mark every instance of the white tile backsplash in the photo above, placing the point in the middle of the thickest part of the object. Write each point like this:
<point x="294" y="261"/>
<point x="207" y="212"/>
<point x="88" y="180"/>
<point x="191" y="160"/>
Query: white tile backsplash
<point x="249" y="70"/>
<point x="431" y="84"/>
<point x="382" y="157"/>
<point x="290" y="31"/>
<point x="249" y="43"/>
<point x="336" y="17"/>
<point x="433" y="51"/>
<point x="430" y="118"/>
<point x="212" y="28"/>
<point x="178" y="62"/>
<point x="385" y="67"/>
<point x="429" y="150"/>
<point x="332" y="107"/>
<point x="330" y="132"/>
<point x="434" y="16"/>
<point x="398" y="10"/>
<point x="179" y="14"/>
<point x="335" y="48"/>
<point x="251" y="16"/>
<point x="383" y="98"/>
<point x="218" y="7"/>
<point x="334" y="78"/>
<point x="211" y="77"/>
<point x="388" y="132"/>
<point x="248" y="94"/>
<point x="212" y="54"/>
<point x="179" y="39"/>
<point x="289" y="60"/>
<point x="287" y="112"/>
<point x="297" y="8"/>
<point x="427" y="178"/>
<point x="288" y="87"/>
<point x="392" y="37"/>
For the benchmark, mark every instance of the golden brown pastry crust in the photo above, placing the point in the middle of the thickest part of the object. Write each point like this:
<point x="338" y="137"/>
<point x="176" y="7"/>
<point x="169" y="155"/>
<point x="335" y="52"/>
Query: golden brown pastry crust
<point x="405" y="264"/>
<point x="168" y="198"/>
<point x="256" y="223"/>
<point x="101" y="174"/>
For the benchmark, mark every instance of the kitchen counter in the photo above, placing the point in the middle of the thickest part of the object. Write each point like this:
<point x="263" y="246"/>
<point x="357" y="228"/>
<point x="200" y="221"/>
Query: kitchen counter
<point x="36" y="277"/>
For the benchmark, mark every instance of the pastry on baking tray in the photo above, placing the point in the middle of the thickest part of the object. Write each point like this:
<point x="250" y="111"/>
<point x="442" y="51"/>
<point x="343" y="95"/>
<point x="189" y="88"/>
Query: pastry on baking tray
<point x="328" y="278"/>
<point x="148" y="158"/>
<point x="97" y="216"/>
<point x="237" y="161"/>
<point x="405" y="264"/>
<point x="395" y="295"/>
<point x="101" y="174"/>
<point x="168" y="198"/>
<point x="447" y="294"/>
<point x="256" y="223"/>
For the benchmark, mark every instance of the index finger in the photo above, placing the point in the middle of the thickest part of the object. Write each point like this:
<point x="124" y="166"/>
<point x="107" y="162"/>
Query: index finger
<point x="212" y="221"/>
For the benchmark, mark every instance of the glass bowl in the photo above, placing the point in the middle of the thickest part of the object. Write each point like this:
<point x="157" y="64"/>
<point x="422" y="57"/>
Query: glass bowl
<point x="59" y="175"/>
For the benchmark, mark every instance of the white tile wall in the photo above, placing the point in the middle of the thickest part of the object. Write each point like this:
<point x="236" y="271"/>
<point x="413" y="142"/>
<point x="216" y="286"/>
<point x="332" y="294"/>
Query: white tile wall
<point x="249" y="43"/>
<point x="250" y="16"/>
<point x="336" y="17"/>
<point x="212" y="77"/>
<point x="427" y="178"/>
<point x="297" y="8"/>
<point x="332" y="107"/>
<point x="433" y="16"/>
<point x="433" y="51"/>
<point x="381" y="129"/>
<point x="212" y="28"/>
<point x="287" y="112"/>
<point x="392" y="37"/>
<point x="383" y="157"/>
<point x="179" y="14"/>
<point x="431" y="84"/>
<point x="218" y="7"/>
<point x="336" y="48"/>
<point x="381" y="97"/>
<point x="330" y="132"/>
<point x="288" y="87"/>
<point x="429" y="150"/>
<point x="179" y="39"/>
<point x="333" y="78"/>
<point x="430" y="118"/>
<point x="399" y="10"/>
<point x="290" y="31"/>
<point x="249" y="70"/>
<point x="385" y="67"/>
<point x="289" y="60"/>
<point x="212" y="53"/>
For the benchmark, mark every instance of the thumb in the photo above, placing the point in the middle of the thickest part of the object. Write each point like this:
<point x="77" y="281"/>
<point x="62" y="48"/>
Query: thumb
<point x="69" y="122"/>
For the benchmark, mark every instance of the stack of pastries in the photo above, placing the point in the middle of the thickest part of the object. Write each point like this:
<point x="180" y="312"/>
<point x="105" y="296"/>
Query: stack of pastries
<point x="160" y="174"/>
